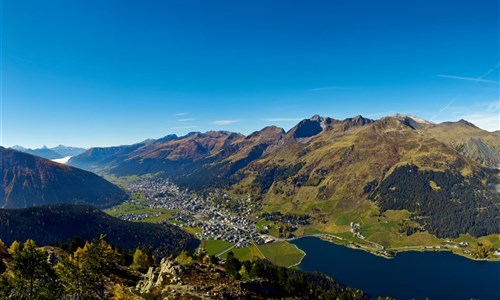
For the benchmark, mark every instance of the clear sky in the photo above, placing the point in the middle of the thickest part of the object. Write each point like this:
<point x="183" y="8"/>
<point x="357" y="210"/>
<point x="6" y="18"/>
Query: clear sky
<point x="99" y="73"/>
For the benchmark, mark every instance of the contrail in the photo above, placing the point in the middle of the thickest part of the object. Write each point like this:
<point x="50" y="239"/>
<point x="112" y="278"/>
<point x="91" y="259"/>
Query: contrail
<point x="489" y="72"/>
<point x="467" y="78"/>
<point x="442" y="109"/>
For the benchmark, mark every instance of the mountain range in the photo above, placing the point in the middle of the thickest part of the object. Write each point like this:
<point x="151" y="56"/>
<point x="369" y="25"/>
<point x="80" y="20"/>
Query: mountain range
<point x="28" y="180"/>
<point x="58" y="152"/>
<point x="335" y="170"/>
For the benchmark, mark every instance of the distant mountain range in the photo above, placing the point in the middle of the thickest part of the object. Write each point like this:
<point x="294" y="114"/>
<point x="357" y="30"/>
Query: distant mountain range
<point x="58" y="152"/>
<point x="334" y="169"/>
<point x="61" y="222"/>
<point x="28" y="180"/>
<point x="213" y="147"/>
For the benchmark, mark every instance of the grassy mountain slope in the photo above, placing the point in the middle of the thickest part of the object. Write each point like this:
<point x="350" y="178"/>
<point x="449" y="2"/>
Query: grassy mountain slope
<point x="477" y="144"/>
<point x="330" y="176"/>
<point x="97" y="159"/>
<point x="196" y="160"/>
<point x="338" y="171"/>
<point x="29" y="180"/>
<point x="444" y="203"/>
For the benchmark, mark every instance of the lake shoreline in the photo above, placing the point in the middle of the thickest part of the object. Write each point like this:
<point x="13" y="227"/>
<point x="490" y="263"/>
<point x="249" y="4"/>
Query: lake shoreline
<point x="355" y="246"/>
<point x="301" y="259"/>
<point x="444" y="276"/>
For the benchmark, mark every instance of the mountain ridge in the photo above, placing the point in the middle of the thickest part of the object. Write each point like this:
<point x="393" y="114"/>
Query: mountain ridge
<point x="29" y="180"/>
<point x="330" y="168"/>
<point x="57" y="152"/>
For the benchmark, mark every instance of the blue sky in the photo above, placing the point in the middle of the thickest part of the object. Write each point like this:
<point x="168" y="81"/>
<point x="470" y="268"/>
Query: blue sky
<point x="99" y="73"/>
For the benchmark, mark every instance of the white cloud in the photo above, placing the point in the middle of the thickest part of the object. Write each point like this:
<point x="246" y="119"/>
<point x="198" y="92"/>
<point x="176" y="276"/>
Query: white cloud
<point x="282" y="119"/>
<point x="485" y="115"/>
<point x="493" y="106"/>
<point x="185" y="120"/>
<point x="182" y="114"/>
<point x="224" y="122"/>
<point x="489" y="121"/>
<point x="488" y="118"/>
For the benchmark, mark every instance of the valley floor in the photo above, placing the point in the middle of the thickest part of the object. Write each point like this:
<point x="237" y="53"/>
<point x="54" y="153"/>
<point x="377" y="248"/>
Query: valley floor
<point x="226" y="224"/>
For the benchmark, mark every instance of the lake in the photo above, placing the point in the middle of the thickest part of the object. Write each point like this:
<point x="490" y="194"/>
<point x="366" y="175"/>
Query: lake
<point x="437" y="275"/>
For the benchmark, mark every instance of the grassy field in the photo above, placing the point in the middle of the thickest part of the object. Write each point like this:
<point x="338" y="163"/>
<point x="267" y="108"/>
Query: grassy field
<point x="156" y="215"/>
<point x="214" y="247"/>
<point x="273" y="229"/>
<point x="124" y="181"/>
<point x="192" y="230"/>
<point x="247" y="253"/>
<point x="279" y="253"/>
<point x="282" y="253"/>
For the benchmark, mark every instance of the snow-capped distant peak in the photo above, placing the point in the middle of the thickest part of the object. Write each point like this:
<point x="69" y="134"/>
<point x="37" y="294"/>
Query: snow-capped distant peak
<point x="413" y="118"/>
<point x="18" y="148"/>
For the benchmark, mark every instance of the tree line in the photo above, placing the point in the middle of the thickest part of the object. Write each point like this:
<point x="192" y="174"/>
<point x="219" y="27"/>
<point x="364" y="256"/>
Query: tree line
<point x="446" y="204"/>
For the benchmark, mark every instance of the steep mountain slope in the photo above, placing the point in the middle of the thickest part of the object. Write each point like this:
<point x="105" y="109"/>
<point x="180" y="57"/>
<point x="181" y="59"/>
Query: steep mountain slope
<point x="100" y="159"/>
<point x="61" y="222"/>
<point x="29" y="180"/>
<point x="42" y="152"/>
<point x="197" y="159"/>
<point x="477" y="144"/>
<point x="332" y="174"/>
<point x="177" y="156"/>
<point x="95" y="159"/>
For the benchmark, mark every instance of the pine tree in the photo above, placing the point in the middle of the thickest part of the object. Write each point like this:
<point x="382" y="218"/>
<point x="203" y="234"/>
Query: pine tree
<point x="184" y="259"/>
<point x="34" y="279"/>
<point x="14" y="247"/>
<point x="232" y="265"/>
<point x="84" y="274"/>
<point x="140" y="261"/>
<point x="2" y="247"/>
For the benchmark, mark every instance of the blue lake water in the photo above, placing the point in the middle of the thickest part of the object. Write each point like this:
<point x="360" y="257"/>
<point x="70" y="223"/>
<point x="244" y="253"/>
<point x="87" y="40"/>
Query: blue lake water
<point x="410" y="275"/>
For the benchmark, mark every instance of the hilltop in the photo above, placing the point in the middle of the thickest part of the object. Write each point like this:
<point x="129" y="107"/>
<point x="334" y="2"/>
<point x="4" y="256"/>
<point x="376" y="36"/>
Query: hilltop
<point x="29" y="180"/>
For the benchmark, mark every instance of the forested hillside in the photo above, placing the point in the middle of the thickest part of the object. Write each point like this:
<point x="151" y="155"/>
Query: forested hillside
<point x="60" y="223"/>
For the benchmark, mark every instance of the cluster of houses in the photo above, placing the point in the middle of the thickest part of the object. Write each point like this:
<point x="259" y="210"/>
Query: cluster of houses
<point x="355" y="229"/>
<point x="137" y="217"/>
<point x="217" y="215"/>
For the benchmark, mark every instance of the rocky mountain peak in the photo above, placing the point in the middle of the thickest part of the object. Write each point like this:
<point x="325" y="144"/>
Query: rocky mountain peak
<point x="316" y="118"/>
<point x="357" y="121"/>
<point x="308" y="128"/>
<point x="466" y="123"/>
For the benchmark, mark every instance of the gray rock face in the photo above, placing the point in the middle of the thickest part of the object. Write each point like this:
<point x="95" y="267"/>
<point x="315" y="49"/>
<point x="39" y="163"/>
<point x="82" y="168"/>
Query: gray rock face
<point x="166" y="273"/>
